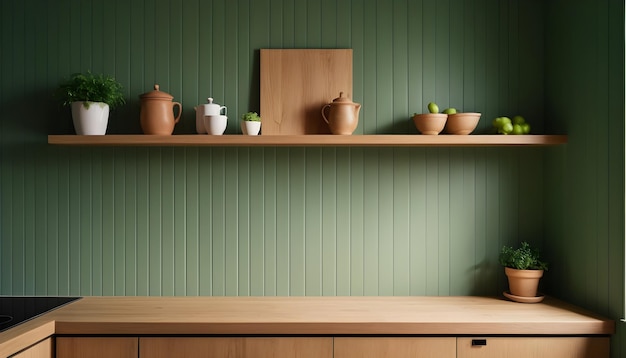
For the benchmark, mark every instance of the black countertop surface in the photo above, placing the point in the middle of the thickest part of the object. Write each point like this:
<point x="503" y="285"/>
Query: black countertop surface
<point x="18" y="309"/>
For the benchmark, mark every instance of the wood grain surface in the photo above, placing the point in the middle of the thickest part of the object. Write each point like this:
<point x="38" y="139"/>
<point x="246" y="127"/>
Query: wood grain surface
<point x="307" y="315"/>
<point x="297" y="83"/>
<point x="324" y="315"/>
<point x="328" y="140"/>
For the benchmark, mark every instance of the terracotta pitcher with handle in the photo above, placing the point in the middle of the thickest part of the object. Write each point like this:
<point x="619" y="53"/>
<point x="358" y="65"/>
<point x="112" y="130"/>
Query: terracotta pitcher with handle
<point x="157" y="112"/>
<point x="343" y="115"/>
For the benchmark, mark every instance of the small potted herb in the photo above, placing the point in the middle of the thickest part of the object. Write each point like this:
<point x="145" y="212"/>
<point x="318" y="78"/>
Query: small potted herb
<point x="90" y="97"/>
<point x="250" y="123"/>
<point x="523" y="267"/>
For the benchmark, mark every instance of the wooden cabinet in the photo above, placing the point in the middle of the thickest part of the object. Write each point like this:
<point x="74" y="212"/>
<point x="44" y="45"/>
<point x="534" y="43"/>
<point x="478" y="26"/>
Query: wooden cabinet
<point x="464" y="347"/>
<point x="322" y="347"/>
<point x="533" y="347"/>
<point x="236" y="347"/>
<point x="97" y="347"/>
<point x="42" y="349"/>
<point x="397" y="347"/>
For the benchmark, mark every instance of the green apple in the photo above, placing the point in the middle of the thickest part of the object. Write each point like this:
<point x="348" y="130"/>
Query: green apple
<point x="518" y="120"/>
<point x="500" y="121"/>
<point x="433" y="108"/>
<point x="449" y="111"/>
<point x="525" y="128"/>
<point x="517" y="129"/>
<point x="506" y="128"/>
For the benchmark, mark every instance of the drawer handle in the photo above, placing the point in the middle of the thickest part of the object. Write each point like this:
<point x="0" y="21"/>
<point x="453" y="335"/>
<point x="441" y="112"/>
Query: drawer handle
<point x="479" y="342"/>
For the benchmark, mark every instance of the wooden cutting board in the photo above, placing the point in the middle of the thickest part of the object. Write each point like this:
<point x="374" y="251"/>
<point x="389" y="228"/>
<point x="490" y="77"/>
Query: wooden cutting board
<point x="297" y="83"/>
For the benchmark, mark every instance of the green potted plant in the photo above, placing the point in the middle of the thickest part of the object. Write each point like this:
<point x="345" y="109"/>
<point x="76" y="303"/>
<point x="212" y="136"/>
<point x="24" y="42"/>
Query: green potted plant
<point x="524" y="268"/>
<point x="90" y="98"/>
<point x="250" y="123"/>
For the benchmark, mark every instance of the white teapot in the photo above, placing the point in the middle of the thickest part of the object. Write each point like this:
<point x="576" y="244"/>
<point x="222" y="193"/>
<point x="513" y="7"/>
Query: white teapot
<point x="208" y="109"/>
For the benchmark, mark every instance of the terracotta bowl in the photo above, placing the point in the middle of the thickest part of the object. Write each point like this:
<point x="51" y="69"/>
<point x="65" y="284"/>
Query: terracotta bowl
<point x="430" y="123"/>
<point x="462" y="123"/>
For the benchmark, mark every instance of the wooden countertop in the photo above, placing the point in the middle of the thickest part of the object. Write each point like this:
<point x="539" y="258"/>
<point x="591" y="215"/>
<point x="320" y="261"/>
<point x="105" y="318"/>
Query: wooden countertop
<point x="407" y="315"/>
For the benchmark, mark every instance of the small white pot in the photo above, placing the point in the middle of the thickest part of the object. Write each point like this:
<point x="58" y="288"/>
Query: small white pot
<point x="251" y="127"/>
<point x="90" y="118"/>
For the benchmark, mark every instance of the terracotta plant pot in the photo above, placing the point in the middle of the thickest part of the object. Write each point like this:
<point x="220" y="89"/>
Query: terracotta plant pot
<point x="461" y="123"/>
<point x="523" y="283"/>
<point x="430" y="123"/>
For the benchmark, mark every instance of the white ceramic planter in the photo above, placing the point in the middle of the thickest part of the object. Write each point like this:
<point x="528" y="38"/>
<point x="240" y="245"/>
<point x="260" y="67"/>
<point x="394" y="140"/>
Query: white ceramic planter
<point x="90" y="118"/>
<point x="251" y="127"/>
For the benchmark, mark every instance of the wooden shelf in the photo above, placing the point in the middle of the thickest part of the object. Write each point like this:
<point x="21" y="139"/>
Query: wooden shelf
<point x="378" y="140"/>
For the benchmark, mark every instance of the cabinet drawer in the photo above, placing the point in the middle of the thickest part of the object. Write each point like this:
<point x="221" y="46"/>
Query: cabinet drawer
<point x="248" y="347"/>
<point x="396" y="347"/>
<point x="533" y="347"/>
<point x="97" y="347"/>
<point x="42" y="349"/>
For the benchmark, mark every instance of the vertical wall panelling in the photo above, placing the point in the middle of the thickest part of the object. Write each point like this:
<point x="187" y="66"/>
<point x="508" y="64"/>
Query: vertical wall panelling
<point x="368" y="60"/>
<point x="216" y="232"/>
<point x="459" y="56"/>
<point x="281" y="221"/>
<point x="266" y="233"/>
<point x="305" y="221"/>
<point x="417" y="222"/>
<point x="328" y="224"/>
<point x="383" y="39"/>
<point x="312" y="221"/>
<point x="357" y="221"/>
<point x="440" y="52"/>
<point x="384" y="236"/>
<point x="462" y="222"/>
<point x="192" y="16"/>
<point x="356" y="41"/>
<point x="586" y="182"/>
<point x="296" y="217"/>
<point x="5" y="264"/>
<point x="400" y="217"/>
<point x="616" y="173"/>
<point x="400" y="68"/>
<point x="443" y="221"/>
<point x="235" y="192"/>
<point x="243" y="226"/>
<point x="339" y="194"/>
<point x="371" y="225"/>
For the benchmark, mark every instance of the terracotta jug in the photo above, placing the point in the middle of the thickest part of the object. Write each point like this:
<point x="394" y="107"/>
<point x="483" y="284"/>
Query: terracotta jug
<point x="343" y="115"/>
<point x="157" y="112"/>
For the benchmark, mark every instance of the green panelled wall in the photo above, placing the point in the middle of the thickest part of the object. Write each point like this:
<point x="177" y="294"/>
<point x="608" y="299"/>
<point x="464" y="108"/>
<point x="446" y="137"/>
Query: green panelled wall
<point x="267" y="221"/>
<point x="314" y="221"/>
<point x="585" y="179"/>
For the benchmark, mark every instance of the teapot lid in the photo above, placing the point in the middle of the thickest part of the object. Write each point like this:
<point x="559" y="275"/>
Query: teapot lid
<point x="342" y="99"/>
<point x="156" y="94"/>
